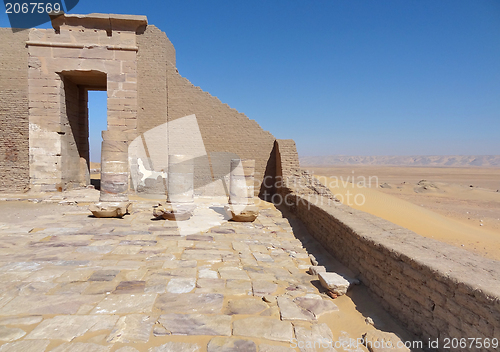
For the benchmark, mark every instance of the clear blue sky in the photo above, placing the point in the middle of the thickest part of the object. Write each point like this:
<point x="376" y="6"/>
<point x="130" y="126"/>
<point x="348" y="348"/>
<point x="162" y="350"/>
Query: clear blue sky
<point x="343" y="77"/>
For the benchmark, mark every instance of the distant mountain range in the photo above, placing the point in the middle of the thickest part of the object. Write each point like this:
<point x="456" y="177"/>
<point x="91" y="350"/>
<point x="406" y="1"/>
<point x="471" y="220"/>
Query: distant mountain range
<point x="414" y="160"/>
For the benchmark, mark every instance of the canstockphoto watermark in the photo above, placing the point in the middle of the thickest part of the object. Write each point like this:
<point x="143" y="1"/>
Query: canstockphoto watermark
<point x="347" y="190"/>
<point x="29" y="14"/>
<point x="354" y="344"/>
<point x="346" y="344"/>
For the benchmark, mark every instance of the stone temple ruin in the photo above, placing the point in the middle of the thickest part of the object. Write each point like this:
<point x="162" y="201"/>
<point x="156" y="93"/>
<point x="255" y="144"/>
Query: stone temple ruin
<point x="434" y="290"/>
<point x="152" y="110"/>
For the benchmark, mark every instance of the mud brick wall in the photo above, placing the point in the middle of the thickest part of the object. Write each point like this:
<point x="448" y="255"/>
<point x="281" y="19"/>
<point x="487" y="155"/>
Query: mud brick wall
<point x="155" y="52"/>
<point x="223" y="129"/>
<point x="14" y="125"/>
<point x="165" y="96"/>
<point x="287" y="156"/>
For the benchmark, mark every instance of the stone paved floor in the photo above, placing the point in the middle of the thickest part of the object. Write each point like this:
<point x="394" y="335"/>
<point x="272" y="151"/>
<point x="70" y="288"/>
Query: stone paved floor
<point x="70" y="282"/>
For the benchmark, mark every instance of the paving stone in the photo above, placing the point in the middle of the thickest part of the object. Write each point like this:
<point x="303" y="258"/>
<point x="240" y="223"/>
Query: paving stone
<point x="63" y="327"/>
<point x="262" y="327"/>
<point x="6" y="298"/>
<point x="95" y="249"/>
<point x="47" y="304"/>
<point x="245" y="306"/>
<point x="159" y="330"/>
<point x="233" y="273"/>
<point x="127" y="349"/>
<point x="126" y="250"/>
<point x="126" y="303"/>
<point x="30" y="320"/>
<point x="104" y="275"/>
<point x="72" y="288"/>
<point x="35" y="288"/>
<point x="45" y="275"/>
<point x="132" y="328"/>
<point x="271" y="312"/>
<point x="199" y="238"/>
<point x="210" y="286"/>
<point x="226" y="344"/>
<point x="104" y="322"/>
<point x="136" y="275"/>
<point x="187" y="263"/>
<point x="180" y="272"/>
<point x="223" y="230"/>
<point x="25" y="345"/>
<point x="155" y="287"/>
<point x="204" y="303"/>
<point x="22" y="266"/>
<point x="176" y="347"/>
<point x="319" y="333"/>
<point x="11" y="334"/>
<point x="207" y="274"/>
<point x="181" y="285"/>
<point x="130" y="287"/>
<point x="99" y="288"/>
<point x="81" y="347"/>
<point x="316" y="306"/>
<point x="196" y="324"/>
<point x="263" y="287"/>
<point x="274" y="348"/>
<point x="238" y="287"/>
<point x="290" y="311"/>
<point x="207" y="255"/>
<point x="138" y="243"/>
<point x="262" y="257"/>
<point x="262" y="276"/>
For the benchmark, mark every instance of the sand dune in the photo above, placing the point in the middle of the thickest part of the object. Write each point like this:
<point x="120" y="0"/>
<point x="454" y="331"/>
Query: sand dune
<point x="417" y="218"/>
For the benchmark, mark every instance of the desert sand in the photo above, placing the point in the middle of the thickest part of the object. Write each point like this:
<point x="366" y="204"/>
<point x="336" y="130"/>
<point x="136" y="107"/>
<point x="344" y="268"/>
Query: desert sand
<point x="459" y="206"/>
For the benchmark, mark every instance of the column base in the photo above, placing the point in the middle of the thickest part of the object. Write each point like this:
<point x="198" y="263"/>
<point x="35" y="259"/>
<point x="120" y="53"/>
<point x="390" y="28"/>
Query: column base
<point x="110" y="209"/>
<point x="242" y="212"/>
<point x="174" y="211"/>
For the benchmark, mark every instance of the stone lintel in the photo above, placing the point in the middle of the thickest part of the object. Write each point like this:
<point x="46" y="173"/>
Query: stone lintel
<point x="108" y="22"/>
<point x="82" y="46"/>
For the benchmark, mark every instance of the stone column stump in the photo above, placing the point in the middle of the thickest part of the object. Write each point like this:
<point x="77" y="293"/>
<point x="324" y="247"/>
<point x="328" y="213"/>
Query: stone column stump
<point x="113" y="199"/>
<point x="180" y="189"/>
<point x="241" y="205"/>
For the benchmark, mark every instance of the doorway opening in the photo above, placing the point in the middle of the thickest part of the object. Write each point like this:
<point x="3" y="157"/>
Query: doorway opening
<point x="98" y="112"/>
<point x="76" y="126"/>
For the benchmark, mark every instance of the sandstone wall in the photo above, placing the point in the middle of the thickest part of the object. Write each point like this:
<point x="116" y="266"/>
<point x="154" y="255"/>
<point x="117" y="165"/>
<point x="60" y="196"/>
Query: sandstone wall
<point x="14" y="126"/>
<point x="436" y="290"/>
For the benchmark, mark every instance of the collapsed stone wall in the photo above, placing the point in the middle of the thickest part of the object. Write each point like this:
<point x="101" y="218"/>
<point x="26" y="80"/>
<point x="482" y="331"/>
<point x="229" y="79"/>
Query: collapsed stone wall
<point x="436" y="290"/>
<point x="14" y="122"/>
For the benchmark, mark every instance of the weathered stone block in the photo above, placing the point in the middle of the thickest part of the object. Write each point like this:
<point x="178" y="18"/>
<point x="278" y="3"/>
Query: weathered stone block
<point x="334" y="282"/>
